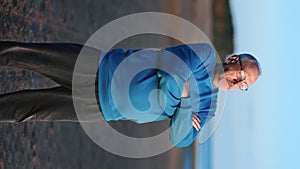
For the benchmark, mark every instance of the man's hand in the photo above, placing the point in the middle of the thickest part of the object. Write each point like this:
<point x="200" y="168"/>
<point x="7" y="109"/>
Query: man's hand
<point x="196" y="122"/>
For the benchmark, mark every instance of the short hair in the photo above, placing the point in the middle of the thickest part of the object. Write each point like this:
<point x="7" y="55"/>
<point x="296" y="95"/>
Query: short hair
<point x="250" y="62"/>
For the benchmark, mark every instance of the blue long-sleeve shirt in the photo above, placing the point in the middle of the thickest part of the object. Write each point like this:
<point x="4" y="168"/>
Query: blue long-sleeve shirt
<point x="146" y="86"/>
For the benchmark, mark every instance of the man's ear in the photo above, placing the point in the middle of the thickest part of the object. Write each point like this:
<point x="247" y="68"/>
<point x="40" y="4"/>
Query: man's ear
<point x="232" y="59"/>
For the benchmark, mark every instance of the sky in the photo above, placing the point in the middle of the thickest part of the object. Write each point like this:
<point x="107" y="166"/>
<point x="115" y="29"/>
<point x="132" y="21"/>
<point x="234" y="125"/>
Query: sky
<point x="260" y="128"/>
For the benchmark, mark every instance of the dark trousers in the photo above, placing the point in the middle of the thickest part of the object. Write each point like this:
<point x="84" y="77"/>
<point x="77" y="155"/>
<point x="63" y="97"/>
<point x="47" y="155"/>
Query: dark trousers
<point x="53" y="60"/>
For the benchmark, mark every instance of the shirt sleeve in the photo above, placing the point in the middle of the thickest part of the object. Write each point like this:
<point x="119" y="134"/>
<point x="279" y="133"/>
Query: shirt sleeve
<point x="181" y="131"/>
<point x="200" y="61"/>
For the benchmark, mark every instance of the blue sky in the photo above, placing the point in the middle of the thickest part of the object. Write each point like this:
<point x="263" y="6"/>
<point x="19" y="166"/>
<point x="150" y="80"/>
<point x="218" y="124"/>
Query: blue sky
<point x="260" y="128"/>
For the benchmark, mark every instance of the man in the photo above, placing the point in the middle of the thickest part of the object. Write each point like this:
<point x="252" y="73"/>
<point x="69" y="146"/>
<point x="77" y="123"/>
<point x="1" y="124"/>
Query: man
<point x="180" y="83"/>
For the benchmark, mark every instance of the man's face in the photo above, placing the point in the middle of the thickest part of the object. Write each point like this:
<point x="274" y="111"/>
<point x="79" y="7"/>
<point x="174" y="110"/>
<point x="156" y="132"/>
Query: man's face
<point x="236" y="76"/>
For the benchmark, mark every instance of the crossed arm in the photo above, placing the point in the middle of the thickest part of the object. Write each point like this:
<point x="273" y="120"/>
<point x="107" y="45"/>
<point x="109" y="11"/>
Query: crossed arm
<point x="185" y="94"/>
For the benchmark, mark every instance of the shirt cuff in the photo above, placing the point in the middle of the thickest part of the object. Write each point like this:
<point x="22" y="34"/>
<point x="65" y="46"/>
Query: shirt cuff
<point x="185" y="102"/>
